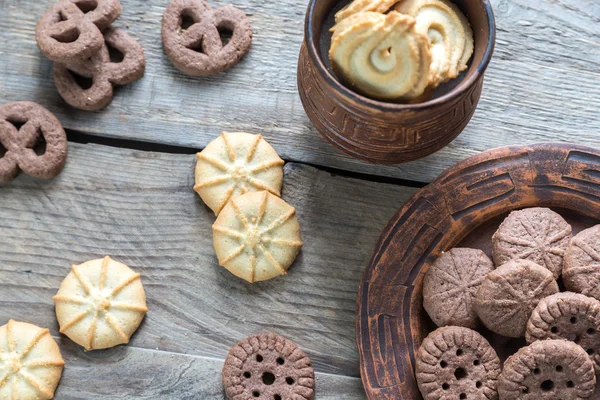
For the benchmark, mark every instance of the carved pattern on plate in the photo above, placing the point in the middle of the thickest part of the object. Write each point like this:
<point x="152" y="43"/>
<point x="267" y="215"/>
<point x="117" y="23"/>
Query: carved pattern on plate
<point x="435" y="219"/>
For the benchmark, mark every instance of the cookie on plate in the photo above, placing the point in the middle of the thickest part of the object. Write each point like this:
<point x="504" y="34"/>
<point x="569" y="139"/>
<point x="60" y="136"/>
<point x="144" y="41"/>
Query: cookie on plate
<point x="570" y="316"/>
<point x="508" y="295"/>
<point x="236" y="163"/>
<point x="548" y="370"/>
<point x="268" y="366"/>
<point x="450" y="285"/>
<point x="30" y="362"/>
<point x="458" y="363"/>
<point x="535" y="234"/>
<point x="582" y="263"/>
<point x="257" y="236"/>
<point x="100" y="304"/>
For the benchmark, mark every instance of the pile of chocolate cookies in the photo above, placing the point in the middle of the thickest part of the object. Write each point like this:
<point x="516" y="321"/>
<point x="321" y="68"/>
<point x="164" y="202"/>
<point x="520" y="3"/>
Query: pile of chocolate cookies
<point x="90" y="57"/>
<point x="462" y="291"/>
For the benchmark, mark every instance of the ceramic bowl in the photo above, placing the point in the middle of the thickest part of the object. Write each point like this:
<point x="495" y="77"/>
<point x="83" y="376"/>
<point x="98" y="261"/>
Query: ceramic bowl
<point x="385" y="132"/>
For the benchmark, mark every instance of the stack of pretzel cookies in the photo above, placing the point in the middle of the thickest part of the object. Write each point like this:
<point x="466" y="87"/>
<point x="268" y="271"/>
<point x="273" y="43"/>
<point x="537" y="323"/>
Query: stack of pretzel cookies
<point x="89" y="55"/>
<point x="534" y="250"/>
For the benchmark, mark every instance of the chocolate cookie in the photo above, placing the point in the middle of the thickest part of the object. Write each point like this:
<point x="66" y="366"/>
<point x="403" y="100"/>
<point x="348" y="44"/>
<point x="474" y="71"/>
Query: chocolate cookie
<point x="570" y="316"/>
<point x="548" y="370"/>
<point x="509" y="294"/>
<point x="101" y="71"/>
<point x="450" y="285"/>
<point x="191" y="34"/>
<point x="71" y="30"/>
<point x="268" y="366"/>
<point x="457" y="363"/>
<point x="582" y="263"/>
<point x="536" y="234"/>
<point x="23" y="126"/>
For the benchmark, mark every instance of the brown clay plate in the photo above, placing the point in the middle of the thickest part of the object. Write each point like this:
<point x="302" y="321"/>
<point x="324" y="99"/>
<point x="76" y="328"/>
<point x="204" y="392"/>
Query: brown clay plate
<point x="463" y="207"/>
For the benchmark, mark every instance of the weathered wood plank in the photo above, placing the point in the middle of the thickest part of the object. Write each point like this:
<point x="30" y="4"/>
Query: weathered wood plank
<point x="139" y="207"/>
<point x="540" y="86"/>
<point x="127" y="372"/>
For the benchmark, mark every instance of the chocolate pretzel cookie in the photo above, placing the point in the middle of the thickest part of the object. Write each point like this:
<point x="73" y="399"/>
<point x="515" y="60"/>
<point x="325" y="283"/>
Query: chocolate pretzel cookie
<point x="103" y="72"/>
<point x="197" y="49"/>
<point x="22" y="127"/>
<point x="268" y="366"/>
<point x="71" y="30"/>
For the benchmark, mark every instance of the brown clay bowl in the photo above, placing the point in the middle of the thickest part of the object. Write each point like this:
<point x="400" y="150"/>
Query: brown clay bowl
<point x="382" y="132"/>
<point x="463" y="207"/>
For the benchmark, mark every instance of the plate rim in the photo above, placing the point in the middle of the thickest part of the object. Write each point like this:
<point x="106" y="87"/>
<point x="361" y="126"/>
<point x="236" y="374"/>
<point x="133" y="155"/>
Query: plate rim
<point x="393" y="229"/>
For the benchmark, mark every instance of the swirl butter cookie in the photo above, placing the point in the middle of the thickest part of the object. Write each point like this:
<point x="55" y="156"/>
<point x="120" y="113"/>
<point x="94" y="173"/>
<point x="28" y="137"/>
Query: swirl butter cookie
<point x="450" y="285"/>
<point x="23" y="126"/>
<point x="449" y="33"/>
<point x="30" y="362"/>
<point x="102" y="72"/>
<point x="358" y="6"/>
<point x="100" y="304"/>
<point x="570" y="316"/>
<point x="268" y="366"/>
<point x="548" y="370"/>
<point x="381" y="55"/>
<point x="257" y="236"/>
<point x="536" y="234"/>
<point x="236" y="163"/>
<point x="197" y="49"/>
<point x="457" y="363"/>
<point x="582" y="263"/>
<point x="509" y="294"/>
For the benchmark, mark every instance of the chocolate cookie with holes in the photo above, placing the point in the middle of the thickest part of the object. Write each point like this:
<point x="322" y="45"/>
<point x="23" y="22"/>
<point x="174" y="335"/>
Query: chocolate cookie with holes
<point x="570" y="316"/>
<point x="548" y="370"/>
<point x="201" y="41"/>
<point x="268" y="366"/>
<point x="457" y="363"/>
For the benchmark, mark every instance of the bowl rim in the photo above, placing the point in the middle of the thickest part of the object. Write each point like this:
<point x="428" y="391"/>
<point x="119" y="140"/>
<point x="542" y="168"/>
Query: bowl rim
<point x="355" y="97"/>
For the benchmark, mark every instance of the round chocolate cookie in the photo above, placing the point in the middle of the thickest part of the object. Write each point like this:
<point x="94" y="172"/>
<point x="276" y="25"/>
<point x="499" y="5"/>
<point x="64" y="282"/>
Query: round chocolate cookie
<point x="450" y="285"/>
<point x="570" y="316"/>
<point x="582" y="263"/>
<point x="457" y="363"/>
<point x="509" y="294"/>
<point x="536" y="234"/>
<point x="268" y="366"/>
<point x="548" y="370"/>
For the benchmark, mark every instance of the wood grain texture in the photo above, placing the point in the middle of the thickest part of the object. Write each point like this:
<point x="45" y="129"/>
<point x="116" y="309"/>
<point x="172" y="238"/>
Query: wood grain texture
<point x="139" y="207"/>
<point x="391" y="322"/>
<point x="127" y="372"/>
<point x="540" y="86"/>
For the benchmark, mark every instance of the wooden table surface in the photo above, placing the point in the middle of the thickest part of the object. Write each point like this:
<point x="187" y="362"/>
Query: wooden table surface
<point x="127" y="192"/>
